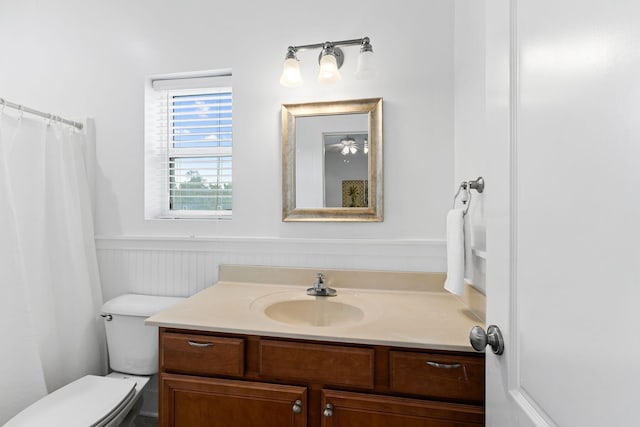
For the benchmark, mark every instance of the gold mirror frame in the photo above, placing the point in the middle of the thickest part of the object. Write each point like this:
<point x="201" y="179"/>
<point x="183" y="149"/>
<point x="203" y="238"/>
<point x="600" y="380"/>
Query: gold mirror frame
<point x="373" y="108"/>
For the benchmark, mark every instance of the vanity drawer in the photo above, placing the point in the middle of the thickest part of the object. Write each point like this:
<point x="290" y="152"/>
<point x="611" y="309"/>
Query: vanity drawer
<point x="201" y="354"/>
<point x="317" y="363"/>
<point x="437" y="376"/>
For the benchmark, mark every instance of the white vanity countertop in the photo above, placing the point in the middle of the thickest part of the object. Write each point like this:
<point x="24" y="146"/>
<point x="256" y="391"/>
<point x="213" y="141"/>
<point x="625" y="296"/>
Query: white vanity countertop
<point x="431" y="319"/>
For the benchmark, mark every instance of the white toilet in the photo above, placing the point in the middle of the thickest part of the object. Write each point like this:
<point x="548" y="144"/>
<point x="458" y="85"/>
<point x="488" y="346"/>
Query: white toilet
<point x="114" y="400"/>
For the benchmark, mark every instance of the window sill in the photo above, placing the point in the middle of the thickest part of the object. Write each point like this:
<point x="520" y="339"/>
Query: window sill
<point x="216" y="217"/>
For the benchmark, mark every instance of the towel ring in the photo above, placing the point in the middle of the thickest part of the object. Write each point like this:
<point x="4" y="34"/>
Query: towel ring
<point x="467" y="186"/>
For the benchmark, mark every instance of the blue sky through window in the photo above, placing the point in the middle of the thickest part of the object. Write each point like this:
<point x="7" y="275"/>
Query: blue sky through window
<point x="202" y="120"/>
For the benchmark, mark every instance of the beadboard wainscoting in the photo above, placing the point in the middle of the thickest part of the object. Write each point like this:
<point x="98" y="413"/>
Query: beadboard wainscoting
<point x="177" y="266"/>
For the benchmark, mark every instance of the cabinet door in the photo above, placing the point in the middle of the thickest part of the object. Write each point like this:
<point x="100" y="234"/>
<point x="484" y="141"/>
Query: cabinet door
<point x="367" y="410"/>
<point x="197" y="402"/>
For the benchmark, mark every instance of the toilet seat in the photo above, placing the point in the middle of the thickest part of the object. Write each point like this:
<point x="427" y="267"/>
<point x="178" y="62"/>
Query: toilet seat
<point x="89" y="401"/>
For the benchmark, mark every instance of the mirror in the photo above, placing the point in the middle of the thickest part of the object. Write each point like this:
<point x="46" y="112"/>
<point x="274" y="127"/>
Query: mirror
<point x="332" y="161"/>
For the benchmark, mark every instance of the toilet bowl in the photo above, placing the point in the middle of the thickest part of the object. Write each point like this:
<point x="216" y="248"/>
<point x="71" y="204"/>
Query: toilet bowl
<point x="115" y="399"/>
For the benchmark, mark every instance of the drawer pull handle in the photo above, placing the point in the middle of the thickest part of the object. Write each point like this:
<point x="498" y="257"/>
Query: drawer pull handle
<point x="328" y="410"/>
<point x="200" y="344"/>
<point x="444" y="365"/>
<point x="297" y="407"/>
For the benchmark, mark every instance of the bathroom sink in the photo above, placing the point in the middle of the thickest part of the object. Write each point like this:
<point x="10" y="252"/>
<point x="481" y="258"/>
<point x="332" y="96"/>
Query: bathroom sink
<point x="296" y="308"/>
<point x="320" y="311"/>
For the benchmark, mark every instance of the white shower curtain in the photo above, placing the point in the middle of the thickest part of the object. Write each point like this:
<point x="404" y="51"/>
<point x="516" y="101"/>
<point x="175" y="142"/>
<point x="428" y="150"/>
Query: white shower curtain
<point x="50" y="294"/>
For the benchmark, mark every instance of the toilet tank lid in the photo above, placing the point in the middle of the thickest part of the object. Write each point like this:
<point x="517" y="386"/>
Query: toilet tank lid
<point x="139" y="305"/>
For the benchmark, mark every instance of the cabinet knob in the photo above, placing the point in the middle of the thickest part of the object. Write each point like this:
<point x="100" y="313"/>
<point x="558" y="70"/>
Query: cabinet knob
<point x="328" y="410"/>
<point x="297" y="407"/>
<point x="493" y="338"/>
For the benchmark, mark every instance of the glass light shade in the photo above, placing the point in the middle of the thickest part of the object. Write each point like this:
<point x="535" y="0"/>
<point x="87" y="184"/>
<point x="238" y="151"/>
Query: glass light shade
<point x="366" y="147"/>
<point x="353" y="149"/>
<point x="328" y="69"/>
<point x="345" y="150"/>
<point x="366" y="66"/>
<point x="291" y="73"/>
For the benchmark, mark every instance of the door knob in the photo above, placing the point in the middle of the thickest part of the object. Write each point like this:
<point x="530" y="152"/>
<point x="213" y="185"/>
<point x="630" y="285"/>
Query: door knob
<point x="493" y="337"/>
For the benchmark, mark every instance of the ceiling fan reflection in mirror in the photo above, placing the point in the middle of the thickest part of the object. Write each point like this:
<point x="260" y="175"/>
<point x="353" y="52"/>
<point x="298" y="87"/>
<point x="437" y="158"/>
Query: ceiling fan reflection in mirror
<point x="346" y="144"/>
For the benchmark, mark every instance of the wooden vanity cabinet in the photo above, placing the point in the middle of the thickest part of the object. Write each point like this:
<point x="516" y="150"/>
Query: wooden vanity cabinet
<point x="215" y="380"/>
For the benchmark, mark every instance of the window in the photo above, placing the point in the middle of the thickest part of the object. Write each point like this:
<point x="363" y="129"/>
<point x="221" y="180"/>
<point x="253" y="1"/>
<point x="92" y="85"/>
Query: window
<point x="188" y="146"/>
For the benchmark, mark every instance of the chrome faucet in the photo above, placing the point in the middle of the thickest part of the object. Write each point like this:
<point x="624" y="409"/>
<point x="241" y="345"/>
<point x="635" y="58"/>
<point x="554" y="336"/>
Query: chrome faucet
<point x="319" y="289"/>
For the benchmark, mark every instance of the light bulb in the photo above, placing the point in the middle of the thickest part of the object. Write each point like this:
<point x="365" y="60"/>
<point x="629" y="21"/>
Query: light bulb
<point x="328" y="69"/>
<point x="291" y="73"/>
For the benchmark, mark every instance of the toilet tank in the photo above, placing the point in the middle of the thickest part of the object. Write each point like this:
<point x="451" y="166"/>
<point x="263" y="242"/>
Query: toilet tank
<point x="132" y="345"/>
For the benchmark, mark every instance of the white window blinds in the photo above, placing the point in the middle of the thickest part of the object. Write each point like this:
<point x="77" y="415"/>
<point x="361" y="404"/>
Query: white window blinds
<point x="189" y="147"/>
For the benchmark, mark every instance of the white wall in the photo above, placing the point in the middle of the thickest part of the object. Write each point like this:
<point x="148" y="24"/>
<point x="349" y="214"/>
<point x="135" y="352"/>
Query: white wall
<point x="309" y="162"/>
<point x="81" y="58"/>
<point x="470" y="149"/>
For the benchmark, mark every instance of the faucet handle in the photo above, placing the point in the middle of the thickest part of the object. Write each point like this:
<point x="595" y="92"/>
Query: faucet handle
<point x="319" y="288"/>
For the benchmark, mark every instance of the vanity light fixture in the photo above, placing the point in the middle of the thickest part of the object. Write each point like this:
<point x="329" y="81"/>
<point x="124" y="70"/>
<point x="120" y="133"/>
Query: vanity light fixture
<point x="330" y="59"/>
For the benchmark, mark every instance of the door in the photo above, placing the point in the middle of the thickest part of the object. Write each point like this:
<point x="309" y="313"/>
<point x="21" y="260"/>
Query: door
<point x="198" y="402"/>
<point x="563" y="211"/>
<point x="342" y="408"/>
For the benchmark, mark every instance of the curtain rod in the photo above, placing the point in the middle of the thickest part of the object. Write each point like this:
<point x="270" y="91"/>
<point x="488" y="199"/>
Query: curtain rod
<point x="49" y="116"/>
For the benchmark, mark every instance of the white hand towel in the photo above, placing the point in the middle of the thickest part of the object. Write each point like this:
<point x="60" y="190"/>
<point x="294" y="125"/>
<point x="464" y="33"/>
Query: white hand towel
<point x="455" y="252"/>
<point x="468" y="254"/>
